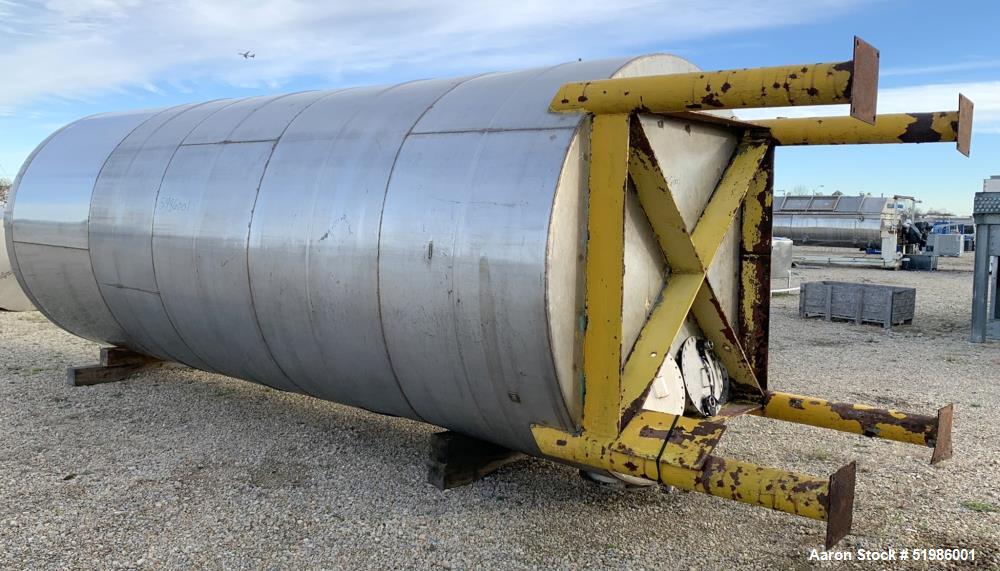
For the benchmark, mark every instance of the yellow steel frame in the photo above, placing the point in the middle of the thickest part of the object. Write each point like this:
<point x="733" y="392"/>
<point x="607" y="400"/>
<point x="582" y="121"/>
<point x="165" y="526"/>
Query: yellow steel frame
<point x="939" y="127"/>
<point x="615" y="433"/>
<point x="854" y="82"/>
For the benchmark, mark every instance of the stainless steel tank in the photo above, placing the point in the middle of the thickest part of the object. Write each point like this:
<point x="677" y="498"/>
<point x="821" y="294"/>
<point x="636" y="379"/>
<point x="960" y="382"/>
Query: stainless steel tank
<point x="836" y="221"/>
<point x="415" y="250"/>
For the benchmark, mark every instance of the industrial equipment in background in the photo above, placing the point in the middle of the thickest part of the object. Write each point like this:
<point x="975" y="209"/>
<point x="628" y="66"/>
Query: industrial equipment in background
<point x="582" y="277"/>
<point x="874" y="224"/>
<point x="962" y="227"/>
<point x="945" y="243"/>
<point x="12" y="298"/>
<point x="884" y="305"/>
<point x="985" y="285"/>
<point x="781" y="265"/>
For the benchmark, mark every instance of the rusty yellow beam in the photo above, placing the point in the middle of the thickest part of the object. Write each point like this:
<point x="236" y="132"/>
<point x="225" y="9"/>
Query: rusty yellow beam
<point x="755" y="269"/>
<point x="722" y="208"/>
<point x="651" y="436"/>
<point x="939" y="127"/>
<point x="829" y="500"/>
<point x="708" y="313"/>
<point x="923" y="430"/>
<point x="609" y="148"/>
<point x="655" y="339"/>
<point x="853" y="82"/>
<point x="657" y="200"/>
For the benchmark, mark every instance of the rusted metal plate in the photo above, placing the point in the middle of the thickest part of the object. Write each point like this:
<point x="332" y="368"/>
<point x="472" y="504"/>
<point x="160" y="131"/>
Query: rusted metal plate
<point x="964" y="141"/>
<point x="942" y="443"/>
<point x="864" y="81"/>
<point x="840" y="504"/>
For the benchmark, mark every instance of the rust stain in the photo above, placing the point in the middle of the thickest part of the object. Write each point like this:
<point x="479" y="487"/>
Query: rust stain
<point x="921" y="130"/>
<point x="869" y="419"/>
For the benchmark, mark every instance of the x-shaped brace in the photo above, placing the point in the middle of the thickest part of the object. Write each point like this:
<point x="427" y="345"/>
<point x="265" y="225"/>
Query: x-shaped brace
<point x="614" y="394"/>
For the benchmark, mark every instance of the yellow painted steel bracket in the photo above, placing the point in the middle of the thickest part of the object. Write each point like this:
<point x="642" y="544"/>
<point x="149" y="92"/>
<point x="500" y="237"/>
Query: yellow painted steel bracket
<point x="854" y="82"/>
<point x="923" y="430"/>
<point x="615" y="433"/>
<point x="677" y="451"/>
<point x="938" y="127"/>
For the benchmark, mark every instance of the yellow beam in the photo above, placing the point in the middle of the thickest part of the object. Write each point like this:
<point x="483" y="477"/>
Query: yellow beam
<point x="725" y="203"/>
<point x="689" y="256"/>
<point x="655" y="339"/>
<point x="853" y="82"/>
<point x="609" y="148"/>
<point x="708" y="313"/>
<point x="923" y="430"/>
<point x="939" y="127"/>
<point x="829" y="500"/>
<point x="755" y="269"/>
<point x="674" y="440"/>
<point x="657" y="201"/>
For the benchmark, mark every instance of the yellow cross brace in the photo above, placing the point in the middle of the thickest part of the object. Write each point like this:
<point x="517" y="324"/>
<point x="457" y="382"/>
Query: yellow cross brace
<point x="615" y="433"/>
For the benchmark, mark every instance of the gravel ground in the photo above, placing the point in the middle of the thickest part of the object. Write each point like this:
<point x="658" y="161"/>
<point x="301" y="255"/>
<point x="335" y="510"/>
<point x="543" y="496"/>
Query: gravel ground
<point x="177" y="468"/>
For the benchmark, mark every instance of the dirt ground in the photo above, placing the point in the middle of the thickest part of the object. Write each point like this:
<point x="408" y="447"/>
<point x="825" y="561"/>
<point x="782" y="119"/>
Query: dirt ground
<point x="176" y="468"/>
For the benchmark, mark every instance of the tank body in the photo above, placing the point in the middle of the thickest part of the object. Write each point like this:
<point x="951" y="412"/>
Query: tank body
<point x="415" y="250"/>
<point x="835" y="221"/>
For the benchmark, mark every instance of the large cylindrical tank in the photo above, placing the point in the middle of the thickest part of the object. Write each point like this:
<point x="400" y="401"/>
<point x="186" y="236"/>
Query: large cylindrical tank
<point x="836" y="221"/>
<point x="415" y="250"/>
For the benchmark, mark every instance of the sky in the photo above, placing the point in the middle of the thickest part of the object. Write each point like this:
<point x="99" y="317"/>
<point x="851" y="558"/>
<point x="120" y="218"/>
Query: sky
<point x="64" y="59"/>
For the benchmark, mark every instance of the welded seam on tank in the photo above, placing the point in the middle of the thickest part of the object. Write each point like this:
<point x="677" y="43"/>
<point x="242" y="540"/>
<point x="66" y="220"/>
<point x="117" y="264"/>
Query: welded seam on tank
<point x="308" y="293"/>
<point x="253" y="309"/>
<point x="90" y="211"/>
<point x="90" y="253"/>
<point x="309" y="243"/>
<point x="57" y="246"/>
<point x="378" y="242"/>
<point x="190" y="107"/>
<point x="253" y="211"/>
<point x="514" y="431"/>
<point x="229" y="141"/>
<point x="495" y="130"/>
<point x="8" y="221"/>
<point x="152" y="225"/>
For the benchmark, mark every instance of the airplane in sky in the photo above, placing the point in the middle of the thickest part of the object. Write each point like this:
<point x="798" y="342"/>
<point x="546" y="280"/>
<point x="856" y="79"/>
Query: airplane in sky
<point x="247" y="54"/>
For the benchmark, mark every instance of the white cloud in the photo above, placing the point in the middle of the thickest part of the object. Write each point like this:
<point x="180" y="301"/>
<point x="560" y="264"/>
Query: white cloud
<point x="79" y="48"/>
<point x="916" y="98"/>
<point x="943" y="68"/>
